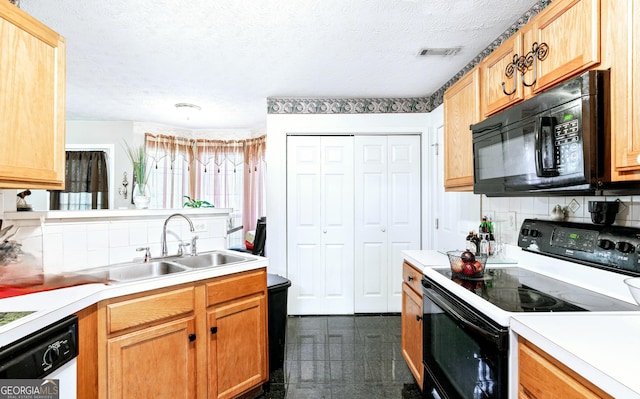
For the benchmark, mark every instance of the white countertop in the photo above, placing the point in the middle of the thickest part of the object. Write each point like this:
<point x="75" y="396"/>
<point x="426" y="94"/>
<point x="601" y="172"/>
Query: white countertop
<point x="51" y="306"/>
<point x="599" y="346"/>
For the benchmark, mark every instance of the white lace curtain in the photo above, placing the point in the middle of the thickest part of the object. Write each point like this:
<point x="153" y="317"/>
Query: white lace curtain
<point x="226" y="173"/>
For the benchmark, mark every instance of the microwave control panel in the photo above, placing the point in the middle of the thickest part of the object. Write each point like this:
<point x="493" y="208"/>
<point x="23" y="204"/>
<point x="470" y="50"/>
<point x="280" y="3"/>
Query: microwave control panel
<point x="567" y="141"/>
<point x="615" y="248"/>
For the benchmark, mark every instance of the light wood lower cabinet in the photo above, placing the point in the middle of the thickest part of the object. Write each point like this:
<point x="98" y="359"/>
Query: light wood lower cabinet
<point x="412" y="321"/>
<point x="238" y="338"/>
<point x="540" y="376"/>
<point x="201" y="340"/>
<point x="158" y="361"/>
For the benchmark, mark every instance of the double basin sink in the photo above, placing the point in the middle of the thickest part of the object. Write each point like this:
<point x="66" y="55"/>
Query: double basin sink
<point x="125" y="273"/>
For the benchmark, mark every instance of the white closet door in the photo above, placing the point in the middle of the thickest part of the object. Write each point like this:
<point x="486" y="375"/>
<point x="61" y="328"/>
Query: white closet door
<point x="320" y="224"/>
<point x="404" y="211"/>
<point x="387" y="217"/>
<point x="371" y="205"/>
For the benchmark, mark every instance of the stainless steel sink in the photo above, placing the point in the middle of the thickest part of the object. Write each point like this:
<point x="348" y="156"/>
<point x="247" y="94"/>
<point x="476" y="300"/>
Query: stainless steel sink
<point x="137" y="271"/>
<point x="210" y="259"/>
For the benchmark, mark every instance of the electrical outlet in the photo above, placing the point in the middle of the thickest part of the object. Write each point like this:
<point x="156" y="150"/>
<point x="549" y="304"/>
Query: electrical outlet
<point x="511" y="221"/>
<point x="200" y="227"/>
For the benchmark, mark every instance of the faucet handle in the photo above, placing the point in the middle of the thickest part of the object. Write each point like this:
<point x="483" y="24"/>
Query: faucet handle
<point x="181" y="247"/>
<point x="194" y="249"/>
<point x="147" y="253"/>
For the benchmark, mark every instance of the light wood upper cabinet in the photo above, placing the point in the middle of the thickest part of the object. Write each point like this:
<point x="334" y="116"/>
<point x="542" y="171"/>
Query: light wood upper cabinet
<point x="32" y="102"/>
<point x="540" y="376"/>
<point x="493" y="75"/>
<point x="571" y="29"/>
<point x="621" y="48"/>
<point x="461" y="109"/>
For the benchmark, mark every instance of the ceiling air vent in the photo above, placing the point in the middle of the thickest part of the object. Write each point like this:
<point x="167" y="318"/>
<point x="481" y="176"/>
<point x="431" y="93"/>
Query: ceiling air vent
<point x="443" y="52"/>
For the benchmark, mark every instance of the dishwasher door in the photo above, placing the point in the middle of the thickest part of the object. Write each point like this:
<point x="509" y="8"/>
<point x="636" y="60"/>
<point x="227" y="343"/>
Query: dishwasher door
<point x="45" y="359"/>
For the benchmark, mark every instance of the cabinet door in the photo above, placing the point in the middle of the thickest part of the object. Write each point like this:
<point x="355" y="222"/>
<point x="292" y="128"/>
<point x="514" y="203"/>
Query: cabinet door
<point x="543" y="377"/>
<point x="492" y="72"/>
<point x="387" y="217"/>
<point x="412" y="331"/>
<point x="158" y="362"/>
<point x="625" y="88"/>
<point x="32" y="101"/>
<point x="571" y="29"/>
<point x="461" y="109"/>
<point x="237" y="347"/>
<point x="320" y="224"/>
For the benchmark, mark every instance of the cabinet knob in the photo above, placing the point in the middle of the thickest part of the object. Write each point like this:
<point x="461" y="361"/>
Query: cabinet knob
<point x="192" y="337"/>
<point x="418" y="317"/>
<point x="409" y="278"/>
<point x="383" y="229"/>
<point x="324" y="231"/>
<point x="214" y="330"/>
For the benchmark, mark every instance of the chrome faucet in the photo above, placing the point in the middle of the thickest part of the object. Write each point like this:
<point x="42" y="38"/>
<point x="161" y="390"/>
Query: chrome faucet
<point x="163" y="239"/>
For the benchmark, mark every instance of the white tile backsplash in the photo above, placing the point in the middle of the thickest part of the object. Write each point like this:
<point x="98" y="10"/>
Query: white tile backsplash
<point x="73" y="244"/>
<point x="541" y="208"/>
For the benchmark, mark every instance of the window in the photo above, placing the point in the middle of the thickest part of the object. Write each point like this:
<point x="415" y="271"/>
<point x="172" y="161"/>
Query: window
<point x="226" y="173"/>
<point x="86" y="182"/>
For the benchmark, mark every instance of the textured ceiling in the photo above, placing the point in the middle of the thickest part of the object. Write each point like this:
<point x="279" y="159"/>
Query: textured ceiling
<point x="134" y="59"/>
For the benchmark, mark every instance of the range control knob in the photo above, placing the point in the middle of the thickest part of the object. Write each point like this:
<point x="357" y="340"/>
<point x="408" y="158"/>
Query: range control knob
<point x="625" y="247"/>
<point x="535" y="233"/>
<point x="524" y="232"/>
<point x="606" y="244"/>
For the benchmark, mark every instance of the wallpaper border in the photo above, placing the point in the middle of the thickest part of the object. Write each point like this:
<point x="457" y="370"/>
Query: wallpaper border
<point x="278" y="105"/>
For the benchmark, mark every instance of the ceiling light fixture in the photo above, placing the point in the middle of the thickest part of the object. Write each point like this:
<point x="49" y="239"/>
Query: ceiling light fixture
<point x="188" y="110"/>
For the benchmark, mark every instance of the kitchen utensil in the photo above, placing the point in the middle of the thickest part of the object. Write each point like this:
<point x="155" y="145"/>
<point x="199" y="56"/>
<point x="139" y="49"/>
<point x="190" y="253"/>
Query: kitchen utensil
<point x="466" y="264"/>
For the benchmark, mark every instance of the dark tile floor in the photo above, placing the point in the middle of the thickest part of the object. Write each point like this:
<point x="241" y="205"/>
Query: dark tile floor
<point x="336" y="357"/>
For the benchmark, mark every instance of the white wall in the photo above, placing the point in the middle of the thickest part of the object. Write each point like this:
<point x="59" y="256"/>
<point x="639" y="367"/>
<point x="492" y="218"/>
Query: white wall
<point x="278" y="126"/>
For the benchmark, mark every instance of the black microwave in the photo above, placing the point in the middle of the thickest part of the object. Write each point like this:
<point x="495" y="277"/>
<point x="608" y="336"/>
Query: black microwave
<point x="553" y="143"/>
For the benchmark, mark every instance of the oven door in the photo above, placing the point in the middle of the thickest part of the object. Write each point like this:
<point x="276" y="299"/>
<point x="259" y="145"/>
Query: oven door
<point x="465" y="355"/>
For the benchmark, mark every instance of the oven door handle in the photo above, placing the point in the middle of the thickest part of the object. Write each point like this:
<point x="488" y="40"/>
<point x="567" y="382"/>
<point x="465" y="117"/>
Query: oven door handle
<point x="495" y="338"/>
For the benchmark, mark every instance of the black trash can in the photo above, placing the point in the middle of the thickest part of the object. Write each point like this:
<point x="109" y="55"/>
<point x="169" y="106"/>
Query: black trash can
<point x="277" y="287"/>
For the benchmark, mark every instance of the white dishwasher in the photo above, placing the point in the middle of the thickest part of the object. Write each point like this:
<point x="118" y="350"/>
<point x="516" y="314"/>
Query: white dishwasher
<point x="49" y="355"/>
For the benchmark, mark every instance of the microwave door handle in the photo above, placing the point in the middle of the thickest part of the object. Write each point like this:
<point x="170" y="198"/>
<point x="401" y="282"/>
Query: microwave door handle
<point x="542" y="141"/>
<point x="467" y="324"/>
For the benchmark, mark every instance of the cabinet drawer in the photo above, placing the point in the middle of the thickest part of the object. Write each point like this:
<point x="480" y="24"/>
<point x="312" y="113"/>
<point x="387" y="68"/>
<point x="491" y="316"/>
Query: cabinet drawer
<point x="148" y="309"/>
<point x="412" y="276"/>
<point x="236" y="286"/>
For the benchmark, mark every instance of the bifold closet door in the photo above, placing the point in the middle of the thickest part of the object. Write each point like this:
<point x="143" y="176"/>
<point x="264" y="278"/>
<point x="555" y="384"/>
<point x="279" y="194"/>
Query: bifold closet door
<point x="387" y="217"/>
<point x="320" y="224"/>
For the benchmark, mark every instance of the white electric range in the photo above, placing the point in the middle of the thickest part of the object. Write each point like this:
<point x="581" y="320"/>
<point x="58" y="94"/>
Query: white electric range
<point x="566" y="268"/>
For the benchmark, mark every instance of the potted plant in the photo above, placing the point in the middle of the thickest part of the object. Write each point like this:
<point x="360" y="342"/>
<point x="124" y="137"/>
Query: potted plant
<point x="194" y="203"/>
<point x="139" y="160"/>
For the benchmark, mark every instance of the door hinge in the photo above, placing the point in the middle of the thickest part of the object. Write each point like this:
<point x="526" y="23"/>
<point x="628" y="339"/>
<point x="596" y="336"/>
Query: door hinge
<point x="435" y="147"/>
<point x="437" y="223"/>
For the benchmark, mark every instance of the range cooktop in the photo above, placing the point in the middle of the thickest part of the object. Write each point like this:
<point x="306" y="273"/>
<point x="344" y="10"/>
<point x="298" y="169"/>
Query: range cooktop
<point x="515" y="289"/>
